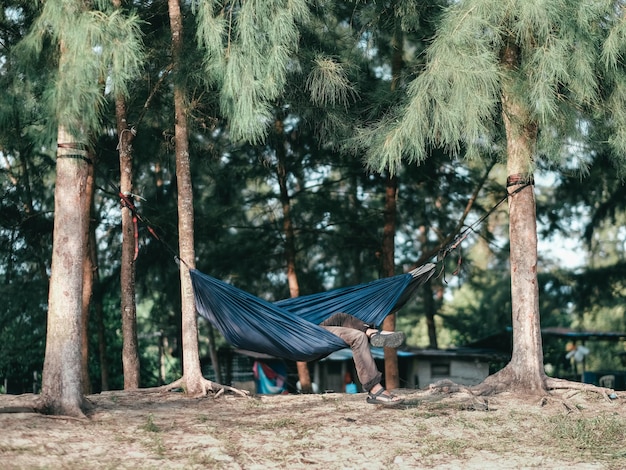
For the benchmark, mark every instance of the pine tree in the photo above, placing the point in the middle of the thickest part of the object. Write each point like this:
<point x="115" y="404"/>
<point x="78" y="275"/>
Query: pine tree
<point x="85" y="47"/>
<point x="525" y="70"/>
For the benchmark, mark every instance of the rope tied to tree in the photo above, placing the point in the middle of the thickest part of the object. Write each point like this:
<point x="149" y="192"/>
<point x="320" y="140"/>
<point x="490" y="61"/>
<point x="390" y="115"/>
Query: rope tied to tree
<point x="126" y="201"/>
<point x="519" y="179"/>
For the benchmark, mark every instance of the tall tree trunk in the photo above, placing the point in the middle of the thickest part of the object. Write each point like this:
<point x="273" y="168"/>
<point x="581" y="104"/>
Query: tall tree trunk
<point x="130" y="347"/>
<point x="89" y="269"/>
<point x="96" y="302"/>
<point x="192" y="373"/>
<point x="102" y="343"/>
<point x="290" y="242"/>
<point x="525" y="370"/>
<point x="430" y="309"/>
<point x="61" y="391"/>
<point x="430" y="306"/>
<point x="392" y="375"/>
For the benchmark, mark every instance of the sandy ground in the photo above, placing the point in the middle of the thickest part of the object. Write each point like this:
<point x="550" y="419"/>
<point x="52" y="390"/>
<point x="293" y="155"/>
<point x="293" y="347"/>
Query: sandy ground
<point x="431" y="430"/>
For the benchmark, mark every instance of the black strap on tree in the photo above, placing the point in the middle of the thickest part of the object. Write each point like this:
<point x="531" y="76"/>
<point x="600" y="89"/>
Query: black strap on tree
<point x="520" y="180"/>
<point x="79" y="151"/>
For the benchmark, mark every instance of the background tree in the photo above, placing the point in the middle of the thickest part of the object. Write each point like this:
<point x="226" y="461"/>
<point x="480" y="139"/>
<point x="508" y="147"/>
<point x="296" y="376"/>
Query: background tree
<point x="130" y="352"/>
<point x="25" y="207"/>
<point x="192" y="381"/>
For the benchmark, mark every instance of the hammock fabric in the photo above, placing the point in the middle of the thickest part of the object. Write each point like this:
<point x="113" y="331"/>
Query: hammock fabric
<point x="289" y="329"/>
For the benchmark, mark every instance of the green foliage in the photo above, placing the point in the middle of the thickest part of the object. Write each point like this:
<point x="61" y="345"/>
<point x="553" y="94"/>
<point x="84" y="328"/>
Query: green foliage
<point x="97" y="51"/>
<point x="249" y="49"/>
<point x="454" y="103"/>
<point x="328" y="83"/>
<point x="150" y="425"/>
<point x="22" y="333"/>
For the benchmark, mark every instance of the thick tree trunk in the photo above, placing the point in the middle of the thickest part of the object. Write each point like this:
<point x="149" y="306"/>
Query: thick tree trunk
<point x="392" y="376"/>
<point x="61" y="391"/>
<point x="525" y="371"/>
<point x="130" y="347"/>
<point x="192" y="373"/>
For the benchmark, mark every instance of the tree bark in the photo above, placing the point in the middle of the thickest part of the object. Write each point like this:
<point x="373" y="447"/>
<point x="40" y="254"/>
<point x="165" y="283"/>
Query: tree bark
<point x="525" y="370"/>
<point x="130" y="346"/>
<point x="304" y="375"/>
<point x="192" y="373"/>
<point x="61" y="391"/>
<point x="89" y="268"/>
<point x="430" y="309"/>
<point x="392" y="375"/>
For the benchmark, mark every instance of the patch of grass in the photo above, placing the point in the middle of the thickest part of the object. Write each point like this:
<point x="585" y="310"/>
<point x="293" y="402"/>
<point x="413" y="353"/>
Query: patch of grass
<point x="254" y="403"/>
<point x="448" y="447"/>
<point x="202" y="418"/>
<point x="232" y="448"/>
<point x="150" y="425"/>
<point x="465" y="423"/>
<point x="204" y="460"/>
<point x="154" y="441"/>
<point x="420" y="428"/>
<point x="598" y="435"/>
<point x="158" y="447"/>
<point x="5" y="449"/>
<point x="280" y="423"/>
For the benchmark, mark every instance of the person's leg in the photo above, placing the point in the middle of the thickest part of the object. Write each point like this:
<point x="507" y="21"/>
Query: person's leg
<point x="364" y="363"/>
<point x="379" y="339"/>
<point x="347" y="321"/>
<point x="366" y="369"/>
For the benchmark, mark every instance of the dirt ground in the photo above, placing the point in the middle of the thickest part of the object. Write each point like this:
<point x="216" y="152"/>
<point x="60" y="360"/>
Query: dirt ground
<point x="431" y="430"/>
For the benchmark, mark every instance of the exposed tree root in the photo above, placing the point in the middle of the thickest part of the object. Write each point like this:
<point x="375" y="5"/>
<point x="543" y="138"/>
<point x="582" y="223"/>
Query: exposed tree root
<point x="568" y="408"/>
<point x="448" y="386"/>
<point x="206" y="386"/>
<point x="49" y="408"/>
<point x="577" y="387"/>
<point x="18" y="409"/>
<point x="475" y="403"/>
<point x="30" y="403"/>
<point x="498" y="383"/>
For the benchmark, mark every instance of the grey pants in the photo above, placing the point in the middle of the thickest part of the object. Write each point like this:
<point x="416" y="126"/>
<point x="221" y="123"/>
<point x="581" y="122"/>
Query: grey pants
<point x="352" y="331"/>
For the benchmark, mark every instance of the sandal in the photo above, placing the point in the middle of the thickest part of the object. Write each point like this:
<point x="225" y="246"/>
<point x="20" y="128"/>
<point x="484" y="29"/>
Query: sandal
<point x="382" y="398"/>
<point x="387" y="340"/>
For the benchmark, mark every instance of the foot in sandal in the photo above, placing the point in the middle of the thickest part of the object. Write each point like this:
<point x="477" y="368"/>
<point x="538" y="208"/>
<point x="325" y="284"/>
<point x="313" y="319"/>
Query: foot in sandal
<point x="379" y="396"/>
<point x="387" y="339"/>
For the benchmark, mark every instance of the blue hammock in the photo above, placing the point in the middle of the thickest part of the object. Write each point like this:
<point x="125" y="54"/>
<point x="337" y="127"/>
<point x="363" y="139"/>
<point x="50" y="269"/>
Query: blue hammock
<point x="289" y="329"/>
